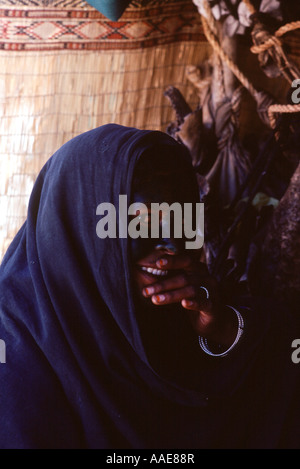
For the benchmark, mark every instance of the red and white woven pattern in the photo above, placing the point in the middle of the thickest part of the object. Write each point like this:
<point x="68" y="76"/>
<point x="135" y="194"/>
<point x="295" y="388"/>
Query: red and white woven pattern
<point x="67" y="25"/>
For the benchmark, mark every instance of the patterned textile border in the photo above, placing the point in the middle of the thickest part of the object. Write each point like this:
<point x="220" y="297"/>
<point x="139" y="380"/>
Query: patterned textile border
<point x="62" y="27"/>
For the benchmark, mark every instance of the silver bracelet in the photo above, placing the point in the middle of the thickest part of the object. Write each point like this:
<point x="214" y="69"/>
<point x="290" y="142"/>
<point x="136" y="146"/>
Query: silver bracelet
<point x="203" y="341"/>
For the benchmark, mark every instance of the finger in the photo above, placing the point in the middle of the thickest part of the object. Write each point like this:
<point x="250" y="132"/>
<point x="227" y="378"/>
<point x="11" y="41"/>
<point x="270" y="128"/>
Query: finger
<point x="193" y="304"/>
<point x="173" y="283"/>
<point x="175" y="296"/>
<point x="201" y="321"/>
<point x="183" y="262"/>
<point x="190" y="304"/>
<point x="180" y="261"/>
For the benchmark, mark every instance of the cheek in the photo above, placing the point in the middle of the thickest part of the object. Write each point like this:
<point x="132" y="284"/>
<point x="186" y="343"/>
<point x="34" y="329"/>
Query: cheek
<point x="141" y="247"/>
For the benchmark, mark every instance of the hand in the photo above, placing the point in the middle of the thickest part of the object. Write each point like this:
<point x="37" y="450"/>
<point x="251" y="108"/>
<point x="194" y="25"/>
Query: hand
<point x="209" y="318"/>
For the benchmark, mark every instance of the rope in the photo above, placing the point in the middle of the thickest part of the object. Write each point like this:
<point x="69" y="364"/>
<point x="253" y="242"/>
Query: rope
<point x="288" y="28"/>
<point x="281" y="109"/>
<point x="210" y="31"/>
<point x="273" y="40"/>
<point x="214" y="42"/>
<point x="210" y="18"/>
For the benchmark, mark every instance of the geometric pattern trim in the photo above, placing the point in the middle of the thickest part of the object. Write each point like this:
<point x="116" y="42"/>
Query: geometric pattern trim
<point x="78" y="26"/>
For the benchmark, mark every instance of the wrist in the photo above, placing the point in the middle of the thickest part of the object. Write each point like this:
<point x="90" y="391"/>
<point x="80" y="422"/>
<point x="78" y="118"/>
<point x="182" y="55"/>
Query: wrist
<point x="220" y="344"/>
<point x="226" y="327"/>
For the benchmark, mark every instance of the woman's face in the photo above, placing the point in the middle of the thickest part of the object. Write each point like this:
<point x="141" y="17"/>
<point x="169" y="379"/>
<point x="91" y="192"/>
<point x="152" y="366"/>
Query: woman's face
<point x="146" y="252"/>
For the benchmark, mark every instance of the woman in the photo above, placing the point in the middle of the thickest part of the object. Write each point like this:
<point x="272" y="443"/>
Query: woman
<point x="120" y="342"/>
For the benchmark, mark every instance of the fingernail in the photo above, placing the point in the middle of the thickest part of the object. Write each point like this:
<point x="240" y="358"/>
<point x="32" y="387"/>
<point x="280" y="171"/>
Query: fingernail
<point x="188" y="302"/>
<point x="148" y="291"/>
<point x="159" y="298"/>
<point x="161" y="262"/>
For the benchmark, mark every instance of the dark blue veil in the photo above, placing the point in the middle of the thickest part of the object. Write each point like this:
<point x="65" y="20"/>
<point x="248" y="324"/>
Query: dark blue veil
<point x="77" y="372"/>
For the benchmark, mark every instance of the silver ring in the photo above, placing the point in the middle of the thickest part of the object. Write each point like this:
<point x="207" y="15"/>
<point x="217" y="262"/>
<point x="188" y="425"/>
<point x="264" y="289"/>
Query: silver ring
<point x="206" y="291"/>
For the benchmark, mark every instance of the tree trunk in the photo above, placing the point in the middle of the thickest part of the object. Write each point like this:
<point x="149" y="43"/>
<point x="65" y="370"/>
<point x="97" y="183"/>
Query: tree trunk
<point x="281" y="248"/>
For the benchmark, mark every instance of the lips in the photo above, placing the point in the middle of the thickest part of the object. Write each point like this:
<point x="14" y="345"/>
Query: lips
<point x="155" y="272"/>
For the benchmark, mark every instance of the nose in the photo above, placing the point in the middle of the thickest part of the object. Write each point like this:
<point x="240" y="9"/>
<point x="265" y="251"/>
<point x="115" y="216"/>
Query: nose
<point x="169" y="246"/>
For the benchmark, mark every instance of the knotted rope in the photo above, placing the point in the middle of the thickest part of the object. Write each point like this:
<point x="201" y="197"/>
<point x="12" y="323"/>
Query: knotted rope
<point x="281" y="109"/>
<point x="268" y="41"/>
<point x="210" y="31"/>
<point x="275" y="39"/>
